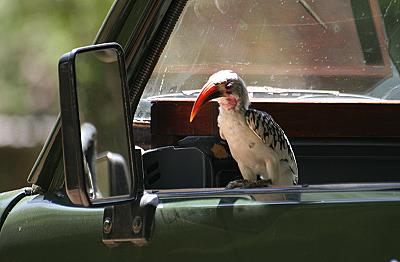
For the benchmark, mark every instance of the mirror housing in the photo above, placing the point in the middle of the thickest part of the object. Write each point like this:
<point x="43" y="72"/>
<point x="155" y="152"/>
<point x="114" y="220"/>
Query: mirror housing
<point x="96" y="117"/>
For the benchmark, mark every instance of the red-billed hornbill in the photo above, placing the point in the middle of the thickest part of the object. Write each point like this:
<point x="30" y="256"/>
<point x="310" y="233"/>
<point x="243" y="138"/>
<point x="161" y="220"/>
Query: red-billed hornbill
<point x="256" y="141"/>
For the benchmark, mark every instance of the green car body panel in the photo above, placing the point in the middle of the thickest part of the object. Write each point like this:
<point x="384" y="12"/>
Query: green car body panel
<point x="7" y="201"/>
<point x="320" y="227"/>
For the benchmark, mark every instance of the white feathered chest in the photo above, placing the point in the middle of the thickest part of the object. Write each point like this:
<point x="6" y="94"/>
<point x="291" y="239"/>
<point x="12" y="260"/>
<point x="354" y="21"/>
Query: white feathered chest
<point x="258" y="144"/>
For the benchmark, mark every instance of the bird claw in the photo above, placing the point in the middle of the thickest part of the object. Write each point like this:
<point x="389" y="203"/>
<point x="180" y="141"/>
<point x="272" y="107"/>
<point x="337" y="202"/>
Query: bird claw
<point x="236" y="184"/>
<point x="258" y="183"/>
<point x="243" y="183"/>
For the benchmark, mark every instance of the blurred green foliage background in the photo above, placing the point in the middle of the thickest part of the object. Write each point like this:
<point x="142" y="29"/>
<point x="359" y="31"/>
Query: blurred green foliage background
<point x="33" y="36"/>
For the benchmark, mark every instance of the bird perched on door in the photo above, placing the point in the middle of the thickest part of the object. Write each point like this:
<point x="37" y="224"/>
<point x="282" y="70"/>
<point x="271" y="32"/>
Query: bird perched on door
<point x="256" y="141"/>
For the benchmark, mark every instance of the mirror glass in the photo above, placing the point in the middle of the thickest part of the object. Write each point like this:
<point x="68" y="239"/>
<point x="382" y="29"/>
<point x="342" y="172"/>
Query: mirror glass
<point x="104" y="138"/>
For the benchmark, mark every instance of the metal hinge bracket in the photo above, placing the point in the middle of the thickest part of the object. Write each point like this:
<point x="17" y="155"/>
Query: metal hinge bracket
<point x="131" y="222"/>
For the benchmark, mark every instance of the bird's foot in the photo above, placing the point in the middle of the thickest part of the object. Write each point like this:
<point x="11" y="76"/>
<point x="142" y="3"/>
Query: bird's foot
<point x="237" y="184"/>
<point x="258" y="183"/>
<point x="243" y="183"/>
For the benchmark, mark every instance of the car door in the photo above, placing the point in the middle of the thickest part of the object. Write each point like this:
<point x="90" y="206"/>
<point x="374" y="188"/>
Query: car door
<point x="214" y="226"/>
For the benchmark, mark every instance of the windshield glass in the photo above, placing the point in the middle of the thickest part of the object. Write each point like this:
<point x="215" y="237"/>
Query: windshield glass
<point x="290" y="49"/>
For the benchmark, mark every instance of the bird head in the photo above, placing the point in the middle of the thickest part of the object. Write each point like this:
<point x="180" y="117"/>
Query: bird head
<point x="228" y="87"/>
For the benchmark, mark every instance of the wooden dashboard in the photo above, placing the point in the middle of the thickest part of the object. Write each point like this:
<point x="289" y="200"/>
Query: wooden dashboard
<point x="170" y="119"/>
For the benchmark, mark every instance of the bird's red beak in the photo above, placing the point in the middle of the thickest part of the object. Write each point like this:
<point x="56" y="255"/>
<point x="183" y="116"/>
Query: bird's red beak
<point x="208" y="92"/>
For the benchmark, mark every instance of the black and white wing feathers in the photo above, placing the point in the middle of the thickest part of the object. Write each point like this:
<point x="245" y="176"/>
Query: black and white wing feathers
<point x="273" y="136"/>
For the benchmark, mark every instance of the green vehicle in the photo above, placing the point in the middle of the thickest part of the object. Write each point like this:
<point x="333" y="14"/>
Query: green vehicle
<point x="124" y="176"/>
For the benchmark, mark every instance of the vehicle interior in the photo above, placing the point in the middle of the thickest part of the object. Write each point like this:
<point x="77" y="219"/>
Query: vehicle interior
<point x="326" y="71"/>
<point x="327" y="77"/>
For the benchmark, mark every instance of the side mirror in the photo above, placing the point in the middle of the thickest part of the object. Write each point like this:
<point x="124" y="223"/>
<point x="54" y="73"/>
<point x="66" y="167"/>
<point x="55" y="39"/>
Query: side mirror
<point x="96" y="127"/>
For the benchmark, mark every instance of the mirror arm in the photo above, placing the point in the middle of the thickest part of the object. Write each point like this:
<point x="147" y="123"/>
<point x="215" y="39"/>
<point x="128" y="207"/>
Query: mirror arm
<point x="138" y="160"/>
<point x="132" y="222"/>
